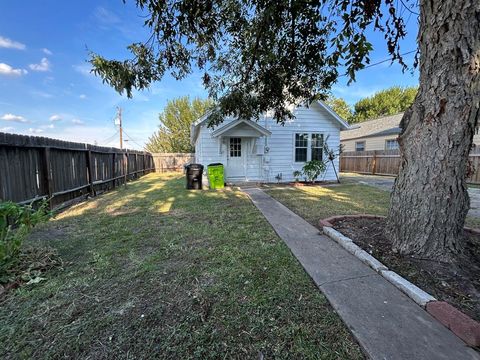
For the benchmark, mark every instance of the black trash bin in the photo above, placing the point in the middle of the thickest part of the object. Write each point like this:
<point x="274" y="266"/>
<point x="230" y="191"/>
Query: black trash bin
<point x="194" y="176"/>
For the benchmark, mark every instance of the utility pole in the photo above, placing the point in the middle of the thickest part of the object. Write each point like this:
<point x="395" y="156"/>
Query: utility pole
<point x="119" y="119"/>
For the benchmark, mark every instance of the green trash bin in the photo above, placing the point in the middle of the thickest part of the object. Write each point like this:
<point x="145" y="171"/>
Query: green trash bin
<point x="215" y="176"/>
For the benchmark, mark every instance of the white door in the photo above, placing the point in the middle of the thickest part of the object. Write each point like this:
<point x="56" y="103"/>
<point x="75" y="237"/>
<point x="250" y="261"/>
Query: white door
<point x="236" y="158"/>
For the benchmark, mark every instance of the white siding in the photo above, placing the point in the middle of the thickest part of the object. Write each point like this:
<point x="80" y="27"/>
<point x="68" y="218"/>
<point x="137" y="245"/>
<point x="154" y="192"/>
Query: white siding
<point x="280" y="158"/>
<point x="281" y="143"/>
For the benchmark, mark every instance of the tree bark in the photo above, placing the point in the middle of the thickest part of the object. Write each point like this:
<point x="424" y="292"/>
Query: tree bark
<point x="430" y="201"/>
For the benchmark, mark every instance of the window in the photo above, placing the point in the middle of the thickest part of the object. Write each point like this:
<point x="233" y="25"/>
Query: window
<point x="303" y="142"/>
<point x="317" y="147"/>
<point x="301" y="146"/>
<point x="360" y="146"/>
<point x="391" y="144"/>
<point x="235" y="147"/>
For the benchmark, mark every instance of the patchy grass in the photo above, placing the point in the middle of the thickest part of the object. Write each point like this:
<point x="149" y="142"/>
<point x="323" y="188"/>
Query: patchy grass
<point x="155" y="271"/>
<point x="317" y="202"/>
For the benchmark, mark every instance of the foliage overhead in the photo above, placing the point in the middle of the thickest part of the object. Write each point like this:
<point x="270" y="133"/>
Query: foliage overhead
<point x="173" y="134"/>
<point x="386" y="102"/>
<point x="258" y="55"/>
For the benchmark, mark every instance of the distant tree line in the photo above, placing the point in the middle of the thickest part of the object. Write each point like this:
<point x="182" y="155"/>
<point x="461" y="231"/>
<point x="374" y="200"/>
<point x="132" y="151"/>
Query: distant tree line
<point x="386" y="102"/>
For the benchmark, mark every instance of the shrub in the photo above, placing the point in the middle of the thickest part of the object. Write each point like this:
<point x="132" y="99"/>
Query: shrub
<point x="312" y="169"/>
<point x="16" y="222"/>
<point x="296" y="175"/>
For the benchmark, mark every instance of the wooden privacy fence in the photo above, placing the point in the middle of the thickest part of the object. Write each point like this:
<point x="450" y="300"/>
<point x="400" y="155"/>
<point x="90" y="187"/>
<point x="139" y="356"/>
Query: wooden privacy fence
<point x="387" y="162"/>
<point x="165" y="162"/>
<point x="33" y="168"/>
<point x="379" y="162"/>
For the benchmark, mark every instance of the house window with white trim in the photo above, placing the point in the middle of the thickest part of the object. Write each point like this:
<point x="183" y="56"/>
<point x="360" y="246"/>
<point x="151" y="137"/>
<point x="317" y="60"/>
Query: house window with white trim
<point x="360" y="146"/>
<point x="308" y="146"/>
<point x="391" y="144"/>
<point x="301" y="147"/>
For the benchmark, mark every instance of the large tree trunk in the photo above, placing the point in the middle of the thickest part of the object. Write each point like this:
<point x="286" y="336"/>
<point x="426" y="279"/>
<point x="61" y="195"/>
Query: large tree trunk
<point x="429" y="202"/>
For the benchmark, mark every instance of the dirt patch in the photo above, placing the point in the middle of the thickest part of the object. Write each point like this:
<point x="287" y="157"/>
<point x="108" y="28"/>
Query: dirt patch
<point x="457" y="283"/>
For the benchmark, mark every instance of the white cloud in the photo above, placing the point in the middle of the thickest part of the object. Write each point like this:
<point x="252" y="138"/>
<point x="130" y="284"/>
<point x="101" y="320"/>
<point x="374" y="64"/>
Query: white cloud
<point x="43" y="66"/>
<point x="105" y="16"/>
<point x="55" y="117"/>
<point x="7" y="129"/>
<point x="46" y="51"/>
<point x="35" y="131"/>
<point x="10" y="44"/>
<point x="6" y="69"/>
<point x="51" y="126"/>
<point x="12" y="117"/>
<point x="83" y="96"/>
<point x="78" y="122"/>
<point x="83" y="69"/>
<point x="42" y="94"/>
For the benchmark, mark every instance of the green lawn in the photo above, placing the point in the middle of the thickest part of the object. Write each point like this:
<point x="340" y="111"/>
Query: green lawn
<point x="155" y="271"/>
<point x="317" y="202"/>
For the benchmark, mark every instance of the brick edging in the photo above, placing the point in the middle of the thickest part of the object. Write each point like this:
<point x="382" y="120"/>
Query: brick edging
<point x="459" y="323"/>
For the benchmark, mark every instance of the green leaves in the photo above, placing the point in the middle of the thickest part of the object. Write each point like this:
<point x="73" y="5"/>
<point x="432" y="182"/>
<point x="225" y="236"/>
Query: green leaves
<point x="386" y="102"/>
<point x="16" y="221"/>
<point x="173" y="134"/>
<point x="256" y="56"/>
<point x="313" y="169"/>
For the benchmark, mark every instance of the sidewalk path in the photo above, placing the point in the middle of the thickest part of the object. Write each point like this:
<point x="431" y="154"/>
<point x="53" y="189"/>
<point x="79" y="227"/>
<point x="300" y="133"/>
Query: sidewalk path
<point x="386" y="323"/>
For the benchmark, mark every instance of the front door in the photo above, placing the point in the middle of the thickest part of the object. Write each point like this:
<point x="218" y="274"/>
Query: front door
<point x="236" y="158"/>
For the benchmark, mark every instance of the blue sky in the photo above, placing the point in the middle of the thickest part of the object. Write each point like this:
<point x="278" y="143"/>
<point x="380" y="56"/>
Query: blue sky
<point x="46" y="88"/>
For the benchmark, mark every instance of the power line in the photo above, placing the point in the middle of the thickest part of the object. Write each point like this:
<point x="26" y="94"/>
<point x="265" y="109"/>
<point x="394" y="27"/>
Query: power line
<point x="110" y="138"/>
<point x="131" y="139"/>
<point x="381" y="62"/>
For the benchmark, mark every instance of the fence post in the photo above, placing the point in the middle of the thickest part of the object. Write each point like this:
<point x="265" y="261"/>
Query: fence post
<point x="90" y="172"/>
<point x="144" y="167"/>
<point x="125" y="163"/>
<point x="374" y="162"/>
<point x="48" y="175"/>
<point x="113" y="169"/>
<point x="136" y="166"/>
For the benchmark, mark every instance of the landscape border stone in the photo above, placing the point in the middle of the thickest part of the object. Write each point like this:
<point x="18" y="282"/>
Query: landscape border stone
<point x="456" y="321"/>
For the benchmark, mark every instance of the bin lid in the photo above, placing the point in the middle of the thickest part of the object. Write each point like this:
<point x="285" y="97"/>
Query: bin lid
<point x="194" y="166"/>
<point x="215" y="164"/>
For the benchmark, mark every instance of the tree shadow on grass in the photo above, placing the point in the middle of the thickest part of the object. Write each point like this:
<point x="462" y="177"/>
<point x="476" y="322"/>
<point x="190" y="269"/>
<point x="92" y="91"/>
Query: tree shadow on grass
<point x="153" y="270"/>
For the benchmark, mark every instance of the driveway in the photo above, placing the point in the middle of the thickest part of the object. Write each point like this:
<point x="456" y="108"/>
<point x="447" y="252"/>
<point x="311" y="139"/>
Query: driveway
<point x="386" y="183"/>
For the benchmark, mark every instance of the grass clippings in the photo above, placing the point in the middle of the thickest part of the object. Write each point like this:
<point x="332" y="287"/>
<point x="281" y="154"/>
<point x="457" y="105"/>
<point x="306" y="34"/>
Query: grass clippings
<point x="155" y="271"/>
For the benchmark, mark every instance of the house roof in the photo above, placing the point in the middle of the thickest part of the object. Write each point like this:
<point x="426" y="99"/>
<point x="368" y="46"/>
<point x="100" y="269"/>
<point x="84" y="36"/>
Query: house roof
<point x="194" y="130"/>
<point x="260" y="129"/>
<point x="387" y="125"/>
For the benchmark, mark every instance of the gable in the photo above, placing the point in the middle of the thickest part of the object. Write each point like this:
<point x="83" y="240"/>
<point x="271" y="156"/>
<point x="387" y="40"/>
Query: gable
<point x="317" y="106"/>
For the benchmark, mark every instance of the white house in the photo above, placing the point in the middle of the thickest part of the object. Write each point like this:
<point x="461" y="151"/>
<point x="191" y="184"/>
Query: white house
<point x="266" y="151"/>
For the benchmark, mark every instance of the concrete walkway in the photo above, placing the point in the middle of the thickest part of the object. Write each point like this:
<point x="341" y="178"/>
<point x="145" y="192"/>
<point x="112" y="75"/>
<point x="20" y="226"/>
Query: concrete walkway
<point x="386" y="323"/>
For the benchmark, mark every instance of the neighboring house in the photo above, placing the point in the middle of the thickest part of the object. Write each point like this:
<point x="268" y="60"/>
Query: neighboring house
<point x="377" y="134"/>
<point x="265" y="151"/>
